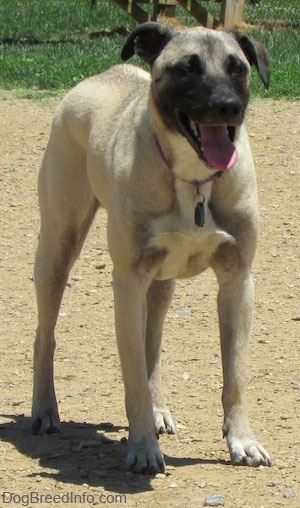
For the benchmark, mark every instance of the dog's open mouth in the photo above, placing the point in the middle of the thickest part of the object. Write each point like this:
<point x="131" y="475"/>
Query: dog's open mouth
<point x="213" y="143"/>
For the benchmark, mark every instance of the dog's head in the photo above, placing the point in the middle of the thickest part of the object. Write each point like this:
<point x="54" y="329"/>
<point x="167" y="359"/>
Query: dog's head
<point x="200" y="82"/>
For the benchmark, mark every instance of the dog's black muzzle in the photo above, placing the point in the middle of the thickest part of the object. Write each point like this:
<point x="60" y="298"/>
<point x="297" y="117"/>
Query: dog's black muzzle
<point x="220" y="108"/>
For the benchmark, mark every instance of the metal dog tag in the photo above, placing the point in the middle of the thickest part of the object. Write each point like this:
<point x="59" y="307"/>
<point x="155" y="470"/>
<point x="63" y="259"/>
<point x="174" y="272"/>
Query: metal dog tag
<point x="200" y="210"/>
<point x="200" y="215"/>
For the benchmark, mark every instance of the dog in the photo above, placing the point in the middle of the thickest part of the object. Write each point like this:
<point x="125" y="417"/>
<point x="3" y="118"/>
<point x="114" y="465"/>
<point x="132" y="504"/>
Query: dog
<point x="167" y="155"/>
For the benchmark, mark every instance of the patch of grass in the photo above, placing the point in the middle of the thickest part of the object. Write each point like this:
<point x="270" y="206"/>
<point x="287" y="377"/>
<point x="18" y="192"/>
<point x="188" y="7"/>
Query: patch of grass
<point x="56" y="66"/>
<point x="53" y="44"/>
<point x="267" y="10"/>
<point x="274" y="11"/>
<point x="283" y="47"/>
<point x="57" y="20"/>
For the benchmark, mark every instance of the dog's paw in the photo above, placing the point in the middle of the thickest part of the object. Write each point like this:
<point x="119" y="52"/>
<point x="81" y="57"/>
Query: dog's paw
<point x="248" y="452"/>
<point x="45" y="422"/>
<point x="163" y="421"/>
<point x="145" y="458"/>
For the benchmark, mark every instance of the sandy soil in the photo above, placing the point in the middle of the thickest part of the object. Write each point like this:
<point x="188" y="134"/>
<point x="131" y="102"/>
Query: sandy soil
<point x="87" y="460"/>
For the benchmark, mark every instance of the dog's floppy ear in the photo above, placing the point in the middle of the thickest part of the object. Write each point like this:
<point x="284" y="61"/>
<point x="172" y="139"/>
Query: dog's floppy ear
<point x="147" y="41"/>
<point x="256" y="55"/>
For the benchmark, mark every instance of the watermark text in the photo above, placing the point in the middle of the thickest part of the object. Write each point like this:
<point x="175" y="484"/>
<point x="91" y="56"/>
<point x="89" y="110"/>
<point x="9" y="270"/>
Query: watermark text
<point x="34" y="498"/>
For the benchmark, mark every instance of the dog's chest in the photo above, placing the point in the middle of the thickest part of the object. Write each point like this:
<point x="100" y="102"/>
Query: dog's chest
<point x="178" y="246"/>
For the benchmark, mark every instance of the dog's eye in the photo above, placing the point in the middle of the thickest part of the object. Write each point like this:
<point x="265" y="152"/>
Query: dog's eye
<point x="236" y="66"/>
<point x="194" y="65"/>
<point x="190" y="66"/>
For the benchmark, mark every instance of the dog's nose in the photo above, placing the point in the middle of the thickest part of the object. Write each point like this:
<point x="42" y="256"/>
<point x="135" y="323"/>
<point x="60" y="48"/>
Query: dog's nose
<point x="228" y="108"/>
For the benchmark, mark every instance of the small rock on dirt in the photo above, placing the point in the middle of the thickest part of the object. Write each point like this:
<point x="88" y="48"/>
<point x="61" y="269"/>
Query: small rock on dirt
<point x="296" y="317"/>
<point x="214" y="500"/>
<point x="289" y="494"/>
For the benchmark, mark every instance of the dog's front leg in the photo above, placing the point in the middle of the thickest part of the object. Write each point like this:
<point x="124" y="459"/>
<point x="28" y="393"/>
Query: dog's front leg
<point x="235" y="306"/>
<point x="144" y="455"/>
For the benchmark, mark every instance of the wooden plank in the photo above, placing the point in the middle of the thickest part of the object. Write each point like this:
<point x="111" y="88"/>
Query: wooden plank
<point x="232" y="13"/>
<point x="202" y="15"/>
<point x="167" y="7"/>
<point x="134" y="10"/>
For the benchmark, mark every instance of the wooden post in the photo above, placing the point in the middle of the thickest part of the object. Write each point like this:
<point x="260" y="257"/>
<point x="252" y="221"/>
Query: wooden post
<point x="232" y="13"/>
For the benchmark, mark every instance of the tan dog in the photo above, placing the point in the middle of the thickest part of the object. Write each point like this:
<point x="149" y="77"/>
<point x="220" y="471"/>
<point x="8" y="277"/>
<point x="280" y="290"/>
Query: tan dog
<point x="168" y="157"/>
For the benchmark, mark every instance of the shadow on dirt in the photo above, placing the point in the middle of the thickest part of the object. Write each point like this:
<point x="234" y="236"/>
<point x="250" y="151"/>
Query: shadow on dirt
<point x="83" y="453"/>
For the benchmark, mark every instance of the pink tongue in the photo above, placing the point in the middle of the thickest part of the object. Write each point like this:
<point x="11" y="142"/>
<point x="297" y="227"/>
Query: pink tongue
<point x="218" y="150"/>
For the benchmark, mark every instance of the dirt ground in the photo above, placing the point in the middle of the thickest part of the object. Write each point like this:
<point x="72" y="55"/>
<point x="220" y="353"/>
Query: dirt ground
<point x="84" y="466"/>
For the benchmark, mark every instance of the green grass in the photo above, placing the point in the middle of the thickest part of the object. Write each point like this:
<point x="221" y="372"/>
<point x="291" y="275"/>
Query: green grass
<point x="52" y="20"/>
<point x="51" y="45"/>
<point x="56" y="66"/>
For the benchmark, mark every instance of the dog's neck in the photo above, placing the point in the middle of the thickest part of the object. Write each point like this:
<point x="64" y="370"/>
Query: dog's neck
<point x="199" y="199"/>
<point x="197" y="183"/>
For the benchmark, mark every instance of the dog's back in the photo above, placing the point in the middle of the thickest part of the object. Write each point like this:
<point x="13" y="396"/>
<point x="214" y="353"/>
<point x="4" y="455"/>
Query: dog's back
<point x="91" y="100"/>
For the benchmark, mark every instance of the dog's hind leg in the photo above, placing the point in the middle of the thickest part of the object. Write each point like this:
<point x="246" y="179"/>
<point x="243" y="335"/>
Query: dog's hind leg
<point x="159" y="297"/>
<point x="67" y="210"/>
